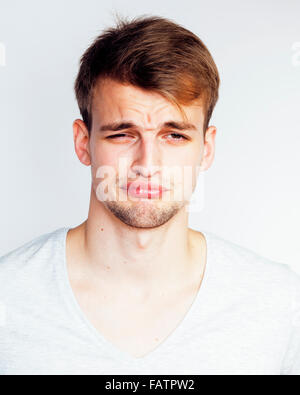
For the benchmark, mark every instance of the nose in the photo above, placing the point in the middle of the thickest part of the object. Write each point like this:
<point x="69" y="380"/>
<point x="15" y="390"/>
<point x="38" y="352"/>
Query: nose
<point x="148" y="158"/>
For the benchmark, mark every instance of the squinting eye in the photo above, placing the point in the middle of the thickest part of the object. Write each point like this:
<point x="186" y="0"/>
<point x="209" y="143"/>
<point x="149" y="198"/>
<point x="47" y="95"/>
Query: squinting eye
<point x="116" y="135"/>
<point x="175" y="136"/>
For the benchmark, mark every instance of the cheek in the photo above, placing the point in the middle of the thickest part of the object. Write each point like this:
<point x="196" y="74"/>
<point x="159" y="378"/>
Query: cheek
<point x="190" y="163"/>
<point x="100" y="158"/>
<point x="105" y="159"/>
<point x="196" y="154"/>
<point x="185" y="157"/>
<point x="103" y="155"/>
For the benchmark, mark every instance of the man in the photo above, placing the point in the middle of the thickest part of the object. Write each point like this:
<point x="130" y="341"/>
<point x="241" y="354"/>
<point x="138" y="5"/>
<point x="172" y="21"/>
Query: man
<point x="132" y="289"/>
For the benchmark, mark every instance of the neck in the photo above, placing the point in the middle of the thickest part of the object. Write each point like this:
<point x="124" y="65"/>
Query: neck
<point x="150" y="257"/>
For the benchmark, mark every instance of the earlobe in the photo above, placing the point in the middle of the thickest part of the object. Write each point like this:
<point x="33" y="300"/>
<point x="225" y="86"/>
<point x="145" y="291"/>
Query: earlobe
<point x="81" y="142"/>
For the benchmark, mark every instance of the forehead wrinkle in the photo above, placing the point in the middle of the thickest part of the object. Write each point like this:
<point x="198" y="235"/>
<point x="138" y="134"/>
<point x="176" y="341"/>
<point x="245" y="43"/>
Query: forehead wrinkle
<point x="147" y="116"/>
<point x="148" y="111"/>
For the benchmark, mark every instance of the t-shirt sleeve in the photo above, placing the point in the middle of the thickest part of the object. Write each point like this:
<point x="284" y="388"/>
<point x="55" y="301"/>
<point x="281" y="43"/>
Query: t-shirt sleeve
<point x="291" y="363"/>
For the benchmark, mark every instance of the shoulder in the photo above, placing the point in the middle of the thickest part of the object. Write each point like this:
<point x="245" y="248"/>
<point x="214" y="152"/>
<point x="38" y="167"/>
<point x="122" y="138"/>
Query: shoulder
<point x="27" y="250"/>
<point x="27" y="257"/>
<point x="249" y="273"/>
<point x="233" y="256"/>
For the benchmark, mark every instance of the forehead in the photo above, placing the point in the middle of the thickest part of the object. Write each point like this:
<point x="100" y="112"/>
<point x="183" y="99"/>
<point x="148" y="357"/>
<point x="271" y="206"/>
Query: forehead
<point x="113" y="100"/>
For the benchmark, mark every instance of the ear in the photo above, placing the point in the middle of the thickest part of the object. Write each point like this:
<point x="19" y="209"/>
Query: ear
<point x="81" y="142"/>
<point x="209" y="148"/>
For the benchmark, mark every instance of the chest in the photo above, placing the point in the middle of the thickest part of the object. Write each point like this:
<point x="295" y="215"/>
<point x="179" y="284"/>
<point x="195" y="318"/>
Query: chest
<point x="205" y="347"/>
<point x="137" y="327"/>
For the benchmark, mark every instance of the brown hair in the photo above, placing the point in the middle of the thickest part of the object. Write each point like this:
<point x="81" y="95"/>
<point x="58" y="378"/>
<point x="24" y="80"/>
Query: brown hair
<point x="153" y="53"/>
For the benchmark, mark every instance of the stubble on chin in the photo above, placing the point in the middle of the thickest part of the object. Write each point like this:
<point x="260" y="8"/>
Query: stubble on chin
<point x="143" y="214"/>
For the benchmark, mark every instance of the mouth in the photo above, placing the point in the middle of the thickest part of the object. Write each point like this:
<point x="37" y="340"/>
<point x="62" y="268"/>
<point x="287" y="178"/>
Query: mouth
<point x="144" y="190"/>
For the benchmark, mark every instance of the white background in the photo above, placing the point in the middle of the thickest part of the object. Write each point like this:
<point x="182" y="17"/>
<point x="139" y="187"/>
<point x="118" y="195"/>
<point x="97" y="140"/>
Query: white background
<point x="252" y="192"/>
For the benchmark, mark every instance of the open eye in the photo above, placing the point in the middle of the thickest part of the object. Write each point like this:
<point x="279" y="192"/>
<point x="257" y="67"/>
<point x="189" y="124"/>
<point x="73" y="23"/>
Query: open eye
<point x="177" y="136"/>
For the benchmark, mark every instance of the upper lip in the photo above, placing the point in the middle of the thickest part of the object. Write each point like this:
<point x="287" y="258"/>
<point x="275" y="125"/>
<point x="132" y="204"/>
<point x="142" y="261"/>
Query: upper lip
<point x="144" y="186"/>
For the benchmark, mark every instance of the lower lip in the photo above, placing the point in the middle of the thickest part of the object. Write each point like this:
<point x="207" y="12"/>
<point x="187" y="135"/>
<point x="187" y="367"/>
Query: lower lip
<point x="146" y="194"/>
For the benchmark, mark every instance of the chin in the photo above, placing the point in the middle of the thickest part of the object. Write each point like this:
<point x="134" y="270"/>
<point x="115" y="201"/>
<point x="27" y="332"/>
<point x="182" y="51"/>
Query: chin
<point x="144" y="214"/>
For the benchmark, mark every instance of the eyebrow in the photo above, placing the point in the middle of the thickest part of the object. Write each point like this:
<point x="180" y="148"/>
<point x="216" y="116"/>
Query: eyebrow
<point x="117" y="126"/>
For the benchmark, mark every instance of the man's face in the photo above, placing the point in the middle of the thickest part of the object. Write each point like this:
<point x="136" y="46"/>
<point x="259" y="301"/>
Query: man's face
<point x="155" y="143"/>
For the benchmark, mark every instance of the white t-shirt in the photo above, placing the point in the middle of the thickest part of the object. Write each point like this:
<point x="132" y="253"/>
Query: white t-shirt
<point x="244" y="320"/>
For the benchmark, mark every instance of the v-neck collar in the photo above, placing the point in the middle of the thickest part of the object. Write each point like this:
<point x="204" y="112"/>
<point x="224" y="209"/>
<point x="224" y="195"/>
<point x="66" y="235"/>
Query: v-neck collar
<point x="114" y="351"/>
